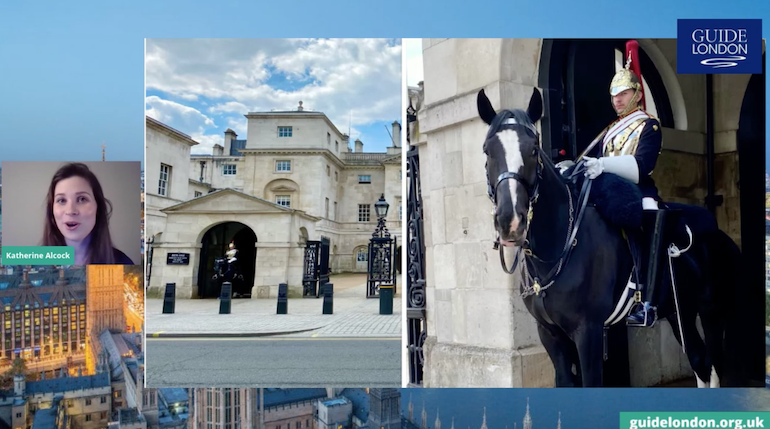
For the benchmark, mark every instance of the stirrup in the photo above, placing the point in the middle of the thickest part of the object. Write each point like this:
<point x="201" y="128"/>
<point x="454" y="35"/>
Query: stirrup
<point x="631" y="319"/>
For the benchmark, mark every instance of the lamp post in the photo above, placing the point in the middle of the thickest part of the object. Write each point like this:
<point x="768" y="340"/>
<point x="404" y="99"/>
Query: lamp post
<point x="381" y="209"/>
<point x="380" y="251"/>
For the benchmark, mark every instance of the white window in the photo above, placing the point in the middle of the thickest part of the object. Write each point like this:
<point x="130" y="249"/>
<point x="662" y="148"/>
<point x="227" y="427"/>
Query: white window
<point x="327" y="208"/>
<point x="361" y="255"/>
<point x="197" y="194"/>
<point x="328" y="139"/>
<point x="283" y="200"/>
<point x="88" y="417"/>
<point x="335" y="210"/>
<point x="363" y="212"/>
<point x="336" y="177"/>
<point x="364" y="179"/>
<point x="282" y="166"/>
<point x="328" y="171"/>
<point x="336" y="146"/>
<point x="399" y="212"/>
<point x="228" y="169"/>
<point x="165" y="176"/>
<point x="284" y="131"/>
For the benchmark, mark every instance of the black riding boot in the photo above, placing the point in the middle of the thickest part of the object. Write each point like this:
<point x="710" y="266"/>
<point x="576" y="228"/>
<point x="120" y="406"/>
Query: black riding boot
<point x="654" y="260"/>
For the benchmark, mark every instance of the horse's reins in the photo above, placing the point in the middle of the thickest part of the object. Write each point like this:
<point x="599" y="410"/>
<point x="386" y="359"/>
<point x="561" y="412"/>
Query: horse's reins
<point x="534" y="193"/>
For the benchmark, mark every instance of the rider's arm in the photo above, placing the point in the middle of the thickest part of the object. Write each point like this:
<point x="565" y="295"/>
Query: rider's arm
<point x="649" y="147"/>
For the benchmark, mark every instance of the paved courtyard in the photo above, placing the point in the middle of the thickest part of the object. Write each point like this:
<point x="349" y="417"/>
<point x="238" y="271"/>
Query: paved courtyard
<point x="354" y="316"/>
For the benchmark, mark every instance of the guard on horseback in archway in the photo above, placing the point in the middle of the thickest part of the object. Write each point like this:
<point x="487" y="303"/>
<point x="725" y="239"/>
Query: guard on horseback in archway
<point x="232" y="260"/>
<point x="629" y="147"/>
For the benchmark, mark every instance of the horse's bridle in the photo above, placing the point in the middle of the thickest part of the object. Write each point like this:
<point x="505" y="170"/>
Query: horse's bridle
<point x="534" y="192"/>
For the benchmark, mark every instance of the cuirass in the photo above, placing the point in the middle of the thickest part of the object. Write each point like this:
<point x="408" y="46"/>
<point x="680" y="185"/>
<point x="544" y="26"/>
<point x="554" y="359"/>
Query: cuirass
<point x="626" y="142"/>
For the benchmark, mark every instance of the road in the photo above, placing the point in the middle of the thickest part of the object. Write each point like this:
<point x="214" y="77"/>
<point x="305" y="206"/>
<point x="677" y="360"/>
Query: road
<point x="287" y="361"/>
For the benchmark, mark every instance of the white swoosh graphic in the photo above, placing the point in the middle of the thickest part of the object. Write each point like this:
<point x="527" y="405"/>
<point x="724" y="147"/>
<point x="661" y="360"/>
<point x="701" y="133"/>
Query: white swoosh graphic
<point x="722" y="62"/>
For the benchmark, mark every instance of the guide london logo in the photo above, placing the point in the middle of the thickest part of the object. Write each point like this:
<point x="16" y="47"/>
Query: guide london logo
<point x="719" y="46"/>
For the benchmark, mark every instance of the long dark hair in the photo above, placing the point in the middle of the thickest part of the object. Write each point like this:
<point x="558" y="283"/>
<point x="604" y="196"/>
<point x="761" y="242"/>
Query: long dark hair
<point x="100" y="249"/>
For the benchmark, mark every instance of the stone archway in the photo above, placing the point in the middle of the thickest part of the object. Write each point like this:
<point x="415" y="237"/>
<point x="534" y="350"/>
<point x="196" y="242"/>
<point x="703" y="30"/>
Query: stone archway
<point x="214" y="244"/>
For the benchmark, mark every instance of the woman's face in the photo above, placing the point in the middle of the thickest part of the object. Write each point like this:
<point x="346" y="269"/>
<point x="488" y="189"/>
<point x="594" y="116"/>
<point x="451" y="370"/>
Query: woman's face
<point x="74" y="208"/>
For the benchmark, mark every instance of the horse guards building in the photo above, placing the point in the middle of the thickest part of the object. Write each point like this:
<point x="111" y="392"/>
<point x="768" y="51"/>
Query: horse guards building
<point x="293" y="179"/>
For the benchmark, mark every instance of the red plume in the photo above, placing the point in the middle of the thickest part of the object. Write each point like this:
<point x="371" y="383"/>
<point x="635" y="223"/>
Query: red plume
<point x="632" y="49"/>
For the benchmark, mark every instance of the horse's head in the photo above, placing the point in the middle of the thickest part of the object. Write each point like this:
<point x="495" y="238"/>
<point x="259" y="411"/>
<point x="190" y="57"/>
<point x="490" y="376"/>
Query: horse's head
<point x="513" y="164"/>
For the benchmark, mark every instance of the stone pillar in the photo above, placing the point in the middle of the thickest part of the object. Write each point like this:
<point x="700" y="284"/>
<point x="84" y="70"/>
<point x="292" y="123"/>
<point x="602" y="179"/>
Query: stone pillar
<point x="480" y="333"/>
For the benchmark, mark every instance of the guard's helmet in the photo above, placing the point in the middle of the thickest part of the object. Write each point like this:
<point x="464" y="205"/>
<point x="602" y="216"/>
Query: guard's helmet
<point x="628" y="77"/>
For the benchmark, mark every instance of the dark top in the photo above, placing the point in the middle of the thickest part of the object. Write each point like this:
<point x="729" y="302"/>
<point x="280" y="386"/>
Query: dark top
<point x="121" y="258"/>
<point x="646" y="156"/>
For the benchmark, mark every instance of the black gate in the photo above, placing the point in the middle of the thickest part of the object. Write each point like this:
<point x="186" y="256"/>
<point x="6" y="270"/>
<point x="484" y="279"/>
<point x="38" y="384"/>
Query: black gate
<point x="323" y="263"/>
<point x="316" y="267"/>
<point x="311" y="270"/>
<point x="381" y="268"/>
<point x="415" y="282"/>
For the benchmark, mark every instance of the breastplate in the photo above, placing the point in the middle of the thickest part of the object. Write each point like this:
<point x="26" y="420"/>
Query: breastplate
<point x="626" y="141"/>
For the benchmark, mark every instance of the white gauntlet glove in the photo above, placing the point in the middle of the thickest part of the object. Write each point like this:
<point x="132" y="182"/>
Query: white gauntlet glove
<point x="594" y="167"/>
<point x="624" y="166"/>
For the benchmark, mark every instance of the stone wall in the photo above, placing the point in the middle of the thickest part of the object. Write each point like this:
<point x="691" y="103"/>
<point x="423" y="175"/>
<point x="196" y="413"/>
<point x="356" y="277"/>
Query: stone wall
<point x="480" y="333"/>
<point x="309" y="130"/>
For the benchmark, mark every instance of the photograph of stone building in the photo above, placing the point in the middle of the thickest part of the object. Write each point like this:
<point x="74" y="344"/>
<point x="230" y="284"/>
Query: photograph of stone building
<point x="278" y="173"/>
<point x="466" y="308"/>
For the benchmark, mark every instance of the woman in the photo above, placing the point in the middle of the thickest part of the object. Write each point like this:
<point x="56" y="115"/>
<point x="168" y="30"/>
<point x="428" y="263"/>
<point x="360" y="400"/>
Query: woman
<point x="78" y="215"/>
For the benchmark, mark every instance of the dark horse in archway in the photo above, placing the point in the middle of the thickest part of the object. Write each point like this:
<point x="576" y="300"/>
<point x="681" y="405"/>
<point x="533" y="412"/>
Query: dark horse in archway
<point x="584" y="262"/>
<point x="226" y="272"/>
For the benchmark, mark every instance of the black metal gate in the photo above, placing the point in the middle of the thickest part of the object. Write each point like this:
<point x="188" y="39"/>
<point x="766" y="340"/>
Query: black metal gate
<point x="381" y="268"/>
<point x="323" y="263"/>
<point x="415" y="307"/>
<point x="316" y="268"/>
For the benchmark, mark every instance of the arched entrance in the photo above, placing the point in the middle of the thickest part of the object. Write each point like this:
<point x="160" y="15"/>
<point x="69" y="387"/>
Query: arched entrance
<point x="214" y="244"/>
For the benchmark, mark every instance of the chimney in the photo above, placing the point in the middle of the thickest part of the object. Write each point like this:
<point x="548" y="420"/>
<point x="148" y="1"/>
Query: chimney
<point x="300" y="108"/>
<point x="396" y="134"/>
<point x="218" y="150"/>
<point x="359" y="146"/>
<point x="229" y="137"/>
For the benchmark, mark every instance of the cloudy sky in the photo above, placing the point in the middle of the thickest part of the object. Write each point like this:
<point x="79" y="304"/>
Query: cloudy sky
<point x="204" y="86"/>
<point x="413" y="59"/>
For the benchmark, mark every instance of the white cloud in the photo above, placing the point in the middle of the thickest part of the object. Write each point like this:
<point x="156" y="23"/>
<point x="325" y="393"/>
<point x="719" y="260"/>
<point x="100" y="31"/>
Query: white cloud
<point x="335" y="76"/>
<point x="206" y="143"/>
<point x="178" y="116"/>
<point x="229" y="107"/>
<point x="413" y="58"/>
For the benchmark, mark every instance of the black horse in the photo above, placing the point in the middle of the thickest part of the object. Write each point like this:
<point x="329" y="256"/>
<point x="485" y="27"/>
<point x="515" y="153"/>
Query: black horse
<point x="226" y="272"/>
<point x="577" y="265"/>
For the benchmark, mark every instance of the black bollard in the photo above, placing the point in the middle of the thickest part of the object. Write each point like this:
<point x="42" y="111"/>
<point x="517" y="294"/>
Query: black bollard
<point x="328" y="298"/>
<point x="386" y="299"/>
<point x="283" y="300"/>
<point x="169" y="298"/>
<point x="225" y="298"/>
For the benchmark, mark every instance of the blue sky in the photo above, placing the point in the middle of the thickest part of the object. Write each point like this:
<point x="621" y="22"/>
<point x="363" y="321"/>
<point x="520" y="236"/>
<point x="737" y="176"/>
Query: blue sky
<point x="72" y="73"/>
<point x="204" y="86"/>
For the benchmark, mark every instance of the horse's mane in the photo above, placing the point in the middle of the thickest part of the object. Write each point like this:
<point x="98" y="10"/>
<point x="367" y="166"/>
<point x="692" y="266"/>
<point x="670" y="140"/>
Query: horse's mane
<point x="522" y="118"/>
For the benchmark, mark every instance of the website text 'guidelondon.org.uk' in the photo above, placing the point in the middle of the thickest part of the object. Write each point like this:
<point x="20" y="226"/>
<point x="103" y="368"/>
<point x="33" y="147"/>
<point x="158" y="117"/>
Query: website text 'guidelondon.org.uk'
<point x="694" y="421"/>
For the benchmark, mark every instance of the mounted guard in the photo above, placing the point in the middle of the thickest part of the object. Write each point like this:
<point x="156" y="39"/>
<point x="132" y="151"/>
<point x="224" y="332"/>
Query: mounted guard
<point x="629" y="147"/>
<point x="231" y="270"/>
